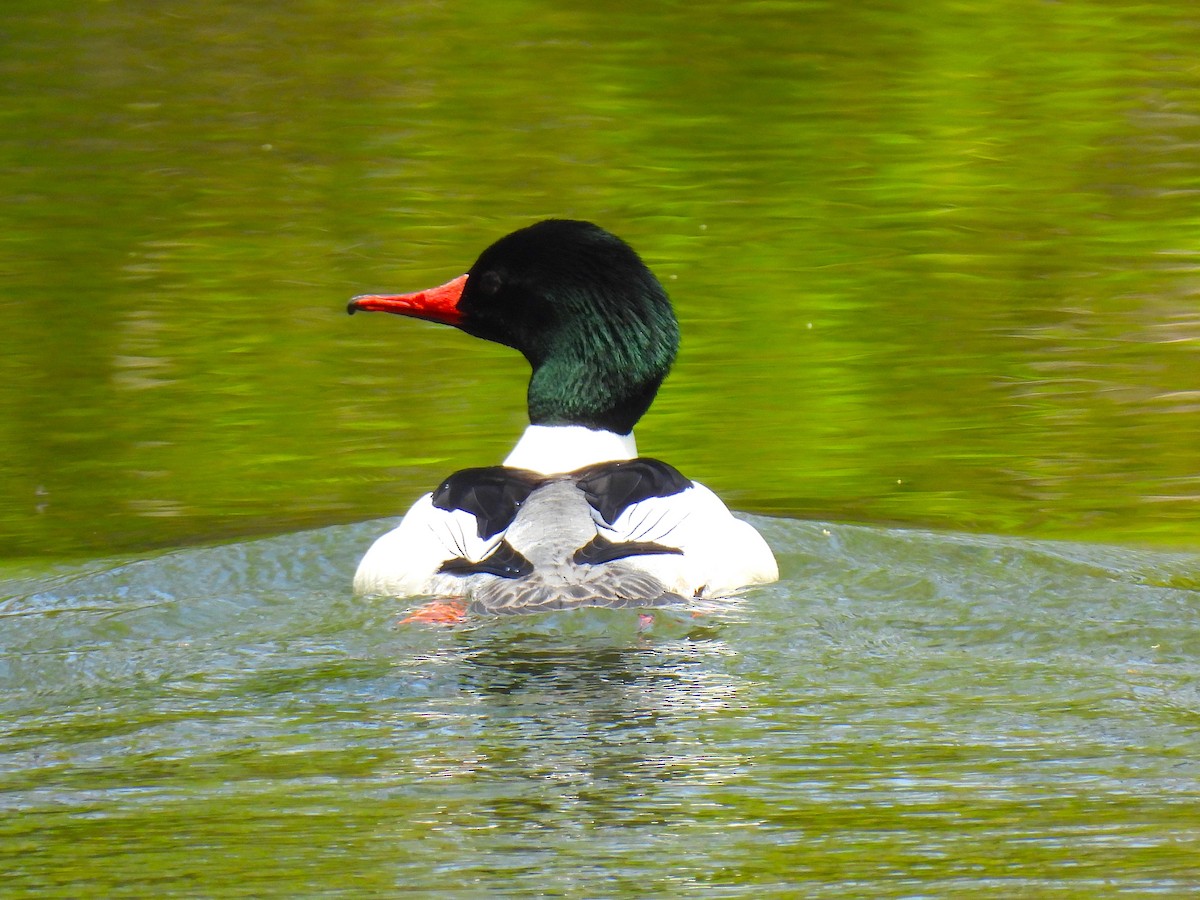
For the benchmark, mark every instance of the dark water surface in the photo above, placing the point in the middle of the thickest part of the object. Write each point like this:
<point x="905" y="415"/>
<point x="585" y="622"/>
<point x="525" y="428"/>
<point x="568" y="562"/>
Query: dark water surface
<point x="937" y="267"/>
<point x="936" y="263"/>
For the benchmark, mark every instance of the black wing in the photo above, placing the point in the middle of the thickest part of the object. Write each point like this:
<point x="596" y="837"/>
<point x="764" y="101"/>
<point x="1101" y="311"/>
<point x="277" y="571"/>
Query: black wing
<point x="492" y="494"/>
<point x="504" y="562"/>
<point x="613" y="487"/>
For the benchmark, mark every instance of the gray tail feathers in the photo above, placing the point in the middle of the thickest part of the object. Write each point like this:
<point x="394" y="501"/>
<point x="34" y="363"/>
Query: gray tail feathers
<point x="610" y="586"/>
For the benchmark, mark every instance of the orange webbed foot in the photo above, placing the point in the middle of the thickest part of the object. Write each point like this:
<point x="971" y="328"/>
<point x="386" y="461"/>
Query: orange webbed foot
<point x="438" y="612"/>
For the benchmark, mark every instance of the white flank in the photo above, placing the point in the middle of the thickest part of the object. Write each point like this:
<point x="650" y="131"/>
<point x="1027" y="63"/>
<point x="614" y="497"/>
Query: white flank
<point x="720" y="553"/>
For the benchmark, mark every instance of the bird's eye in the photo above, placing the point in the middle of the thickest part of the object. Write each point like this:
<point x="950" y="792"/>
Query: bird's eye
<point x="489" y="283"/>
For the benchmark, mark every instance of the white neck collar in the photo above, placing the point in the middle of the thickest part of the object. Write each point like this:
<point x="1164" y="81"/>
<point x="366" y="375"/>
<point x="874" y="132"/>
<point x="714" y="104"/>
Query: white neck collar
<point x="552" y="449"/>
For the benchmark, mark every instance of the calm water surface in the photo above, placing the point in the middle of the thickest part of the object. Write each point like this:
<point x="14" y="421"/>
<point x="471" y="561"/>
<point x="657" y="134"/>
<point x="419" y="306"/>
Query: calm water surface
<point x="938" y="273"/>
<point x="935" y="263"/>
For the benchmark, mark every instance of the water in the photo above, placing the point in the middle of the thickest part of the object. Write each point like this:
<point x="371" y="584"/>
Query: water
<point x="905" y="714"/>
<point x="936" y="269"/>
<point x="918" y="283"/>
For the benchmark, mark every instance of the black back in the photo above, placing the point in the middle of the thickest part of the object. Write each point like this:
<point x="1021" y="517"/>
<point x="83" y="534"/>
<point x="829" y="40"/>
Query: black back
<point x="492" y="494"/>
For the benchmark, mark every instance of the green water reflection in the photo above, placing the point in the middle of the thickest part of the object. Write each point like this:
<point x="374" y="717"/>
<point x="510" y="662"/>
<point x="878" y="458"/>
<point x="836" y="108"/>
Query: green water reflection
<point x="935" y="263"/>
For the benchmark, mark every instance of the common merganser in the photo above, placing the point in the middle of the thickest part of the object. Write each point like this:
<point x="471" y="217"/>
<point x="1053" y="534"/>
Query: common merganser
<point x="574" y="517"/>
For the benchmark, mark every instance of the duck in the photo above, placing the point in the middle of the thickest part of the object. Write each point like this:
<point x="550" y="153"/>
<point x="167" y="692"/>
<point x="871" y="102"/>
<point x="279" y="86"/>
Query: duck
<point x="574" y="517"/>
